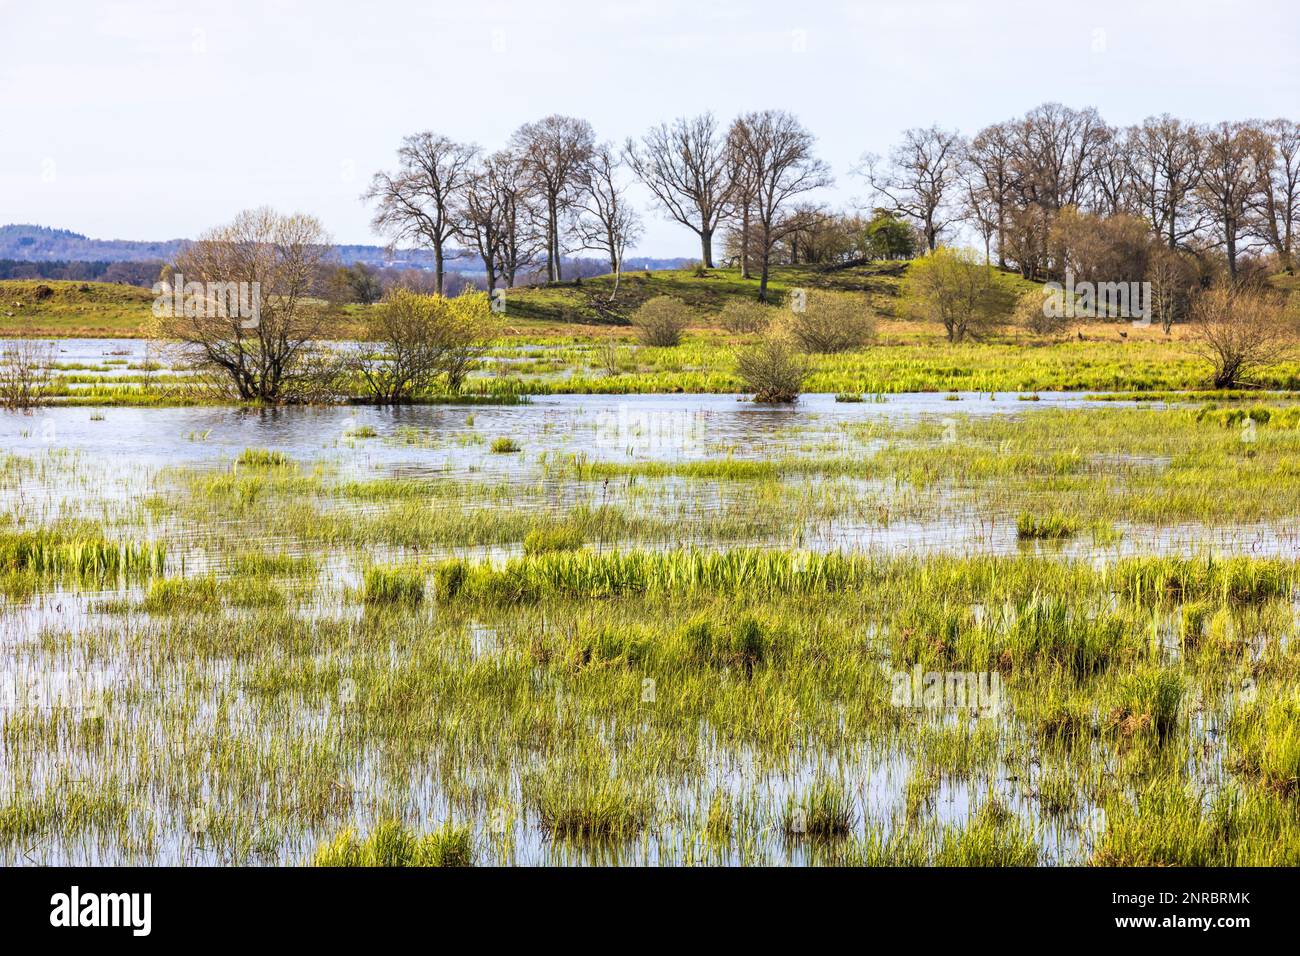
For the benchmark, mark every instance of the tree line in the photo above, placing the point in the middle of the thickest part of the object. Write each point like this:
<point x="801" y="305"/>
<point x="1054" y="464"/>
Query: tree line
<point x="1055" y="190"/>
<point x="554" y="189"/>
<point x="1033" y="187"/>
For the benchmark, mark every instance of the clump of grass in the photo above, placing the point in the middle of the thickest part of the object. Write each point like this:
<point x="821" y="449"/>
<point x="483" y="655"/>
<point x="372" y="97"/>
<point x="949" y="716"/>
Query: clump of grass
<point x="823" y="811"/>
<point x="745" y="644"/>
<point x="1242" y="579"/>
<point x="390" y="844"/>
<point x="561" y="538"/>
<point x="587" y="807"/>
<point x="262" y="458"/>
<point x="1058" y="791"/>
<point x="183" y="596"/>
<point x="1148" y="703"/>
<point x="261" y="564"/>
<point x="448" y="578"/>
<point x="919" y="794"/>
<point x="1266" y="736"/>
<point x="505" y="446"/>
<point x="396" y="585"/>
<point x="80" y="554"/>
<point x="1049" y="526"/>
<point x="993" y="837"/>
<point x="721" y="819"/>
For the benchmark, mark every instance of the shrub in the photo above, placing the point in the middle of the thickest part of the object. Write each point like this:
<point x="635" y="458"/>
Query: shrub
<point x="744" y="316"/>
<point x="661" y="321"/>
<point x="773" y="370"/>
<point x="954" y="288"/>
<point x="1240" y="332"/>
<point x="417" y="338"/>
<point x="1031" y="313"/>
<point x="26" y="373"/>
<point x="832" y="322"/>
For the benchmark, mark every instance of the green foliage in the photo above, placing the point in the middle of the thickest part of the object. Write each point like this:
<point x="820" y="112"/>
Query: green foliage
<point x="954" y="288"/>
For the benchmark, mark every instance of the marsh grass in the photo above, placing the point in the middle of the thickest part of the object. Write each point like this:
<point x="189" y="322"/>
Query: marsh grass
<point x="667" y="667"/>
<point x="390" y="844"/>
<point x="1048" y="526"/>
<point x="396" y="585"/>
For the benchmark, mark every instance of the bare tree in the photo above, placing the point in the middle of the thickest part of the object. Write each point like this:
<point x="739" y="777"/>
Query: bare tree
<point x="1165" y="157"/>
<point x="1237" y="158"/>
<point x="920" y="179"/>
<point x="1113" y="191"/>
<point x="606" y="221"/>
<point x="1173" y="282"/>
<point x="273" y="259"/>
<point x="741" y="240"/>
<point x="987" y="172"/>
<point x="26" y="373"/>
<point x="553" y="152"/>
<point x="775" y="154"/>
<point x="1056" y="152"/>
<point x="686" y="166"/>
<point x="1277" y="205"/>
<point x="482" y="219"/>
<point x="1241" y="332"/>
<point x="417" y="203"/>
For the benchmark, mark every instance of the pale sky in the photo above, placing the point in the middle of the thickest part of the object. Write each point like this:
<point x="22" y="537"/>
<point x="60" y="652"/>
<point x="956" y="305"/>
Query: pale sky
<point x="152" y="120"/>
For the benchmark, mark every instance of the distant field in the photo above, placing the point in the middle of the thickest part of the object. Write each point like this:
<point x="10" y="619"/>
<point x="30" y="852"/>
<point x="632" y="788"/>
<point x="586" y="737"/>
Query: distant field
<point x="549" y="333"/>
<point x="85" y="309"/>
<point x="44" y="307"/>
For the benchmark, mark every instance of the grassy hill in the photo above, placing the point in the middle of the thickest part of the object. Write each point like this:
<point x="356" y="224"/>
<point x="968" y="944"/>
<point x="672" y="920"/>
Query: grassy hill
<point x="587" y="301"/>
<point x="577" y="310"/>
<point x="47" y="307"/>
<point x="70" y="309"/>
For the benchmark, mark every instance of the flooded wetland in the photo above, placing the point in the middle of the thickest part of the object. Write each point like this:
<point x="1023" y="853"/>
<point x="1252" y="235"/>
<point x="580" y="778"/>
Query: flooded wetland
<point x="920" y="629"/>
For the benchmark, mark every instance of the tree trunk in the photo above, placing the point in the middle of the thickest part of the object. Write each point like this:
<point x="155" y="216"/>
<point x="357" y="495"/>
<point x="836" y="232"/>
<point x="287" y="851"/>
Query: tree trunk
<point x="1002" y="238"/>
<point x="553" y="238"/>
<point x="437" y="267"/>
<point x="744" y="243"/>
<point x="706" y="247"/>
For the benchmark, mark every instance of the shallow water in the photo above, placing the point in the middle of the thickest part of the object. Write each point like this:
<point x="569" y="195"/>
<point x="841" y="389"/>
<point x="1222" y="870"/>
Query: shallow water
<point x="101" y="463"/>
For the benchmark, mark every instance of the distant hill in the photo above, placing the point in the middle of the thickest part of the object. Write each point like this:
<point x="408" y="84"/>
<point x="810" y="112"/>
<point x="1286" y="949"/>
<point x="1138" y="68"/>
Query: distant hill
<point x="27" y="243"/>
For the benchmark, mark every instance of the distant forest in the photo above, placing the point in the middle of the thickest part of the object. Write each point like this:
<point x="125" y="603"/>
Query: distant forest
<point x="41" y="252"/>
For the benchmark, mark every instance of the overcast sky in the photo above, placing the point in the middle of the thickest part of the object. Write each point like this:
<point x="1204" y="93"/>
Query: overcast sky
<point x="151" y="120"/>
